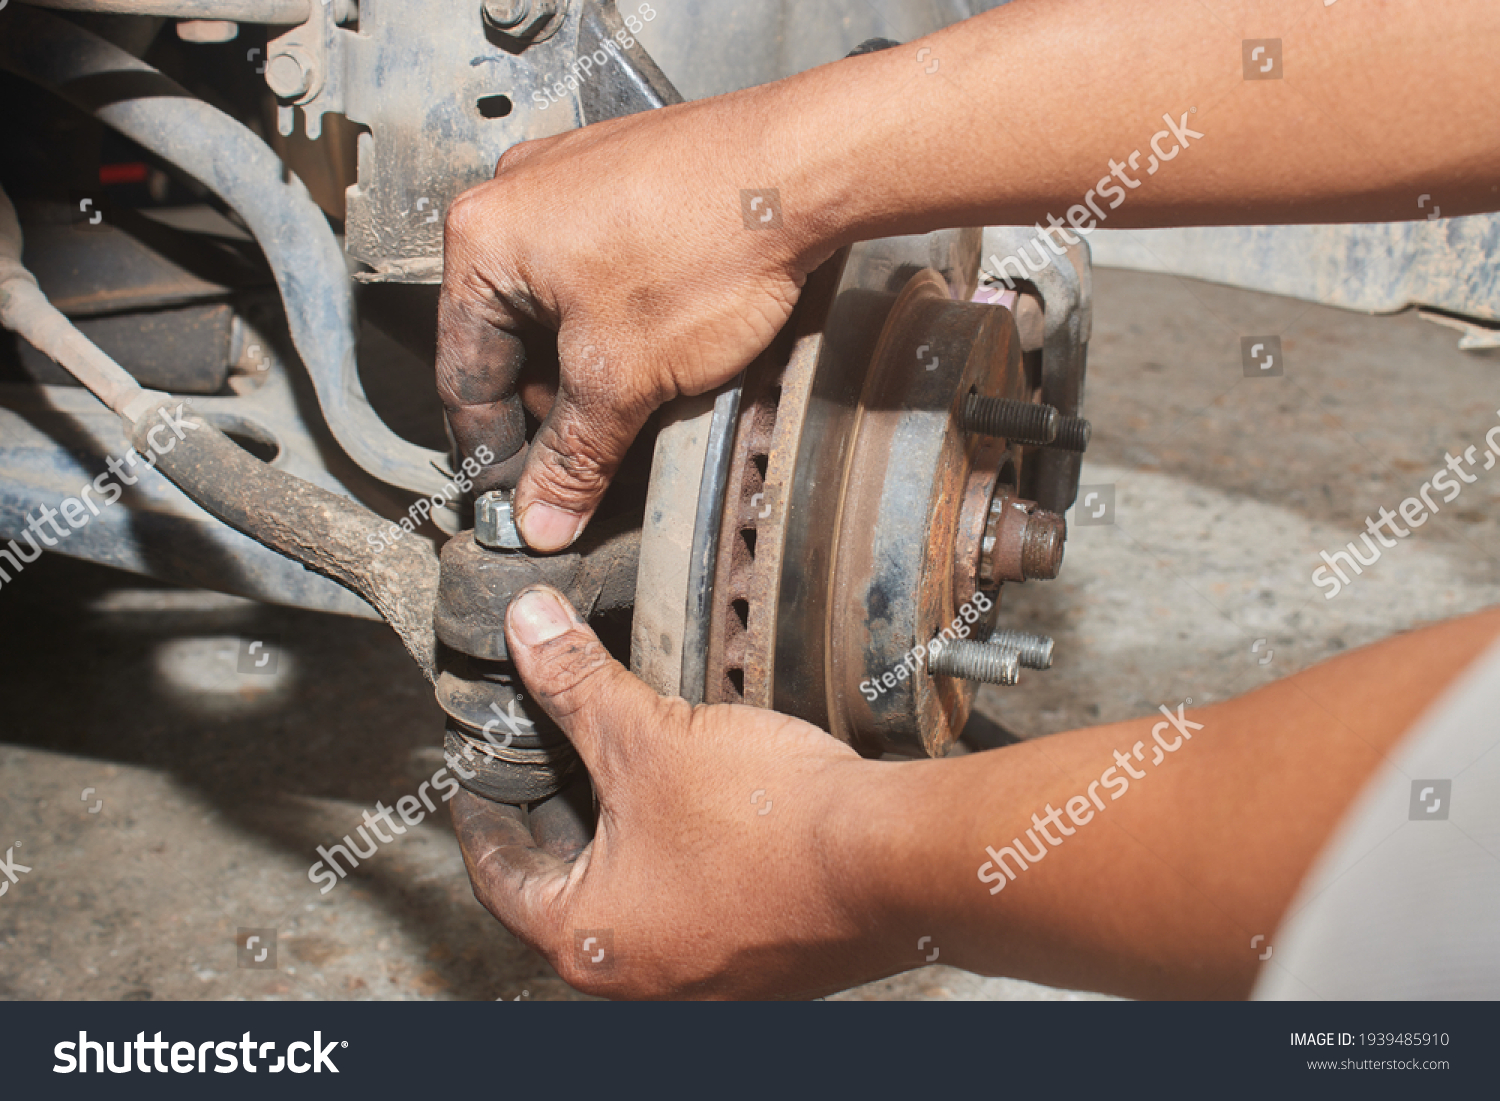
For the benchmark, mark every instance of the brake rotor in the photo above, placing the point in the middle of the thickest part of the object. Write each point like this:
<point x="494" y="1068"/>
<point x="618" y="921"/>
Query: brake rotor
<point x="825" y="518"/>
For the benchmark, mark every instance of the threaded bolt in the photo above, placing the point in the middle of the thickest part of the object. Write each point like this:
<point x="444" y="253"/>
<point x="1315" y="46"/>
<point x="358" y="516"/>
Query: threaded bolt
<point x="1032" y="651"/>
<point x="1072" y="434"/>
<point x="975" y="661"/>
<point x="1042" y="545"/>
<point x="1016" y="421"/>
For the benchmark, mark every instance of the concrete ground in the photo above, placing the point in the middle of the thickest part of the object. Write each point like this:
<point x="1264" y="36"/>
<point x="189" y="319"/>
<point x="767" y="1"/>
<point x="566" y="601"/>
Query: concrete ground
<point x="166" y="802"/>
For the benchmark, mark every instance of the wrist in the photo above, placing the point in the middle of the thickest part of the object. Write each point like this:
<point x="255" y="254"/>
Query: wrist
<point x="817" y="139"/>
<point x="878" y="853"/>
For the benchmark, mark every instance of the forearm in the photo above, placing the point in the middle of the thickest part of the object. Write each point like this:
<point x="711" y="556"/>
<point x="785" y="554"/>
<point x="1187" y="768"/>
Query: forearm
<point x="1150" y="890"/>
<point x="1025" y="108"/>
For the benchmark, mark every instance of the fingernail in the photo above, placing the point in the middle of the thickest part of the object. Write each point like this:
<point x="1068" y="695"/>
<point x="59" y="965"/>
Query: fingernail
<point x="548" y="528"/>
<point x="537" y="616"/>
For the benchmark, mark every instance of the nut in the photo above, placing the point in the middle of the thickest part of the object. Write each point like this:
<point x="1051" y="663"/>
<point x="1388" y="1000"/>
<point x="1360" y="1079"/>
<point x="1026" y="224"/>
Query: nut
<point x="526" y="20"/>
<point x="495" y="523"/>
<point x="292" y="74"/>
<point x="1021" y="541"/>
<point x="506" y="14"/>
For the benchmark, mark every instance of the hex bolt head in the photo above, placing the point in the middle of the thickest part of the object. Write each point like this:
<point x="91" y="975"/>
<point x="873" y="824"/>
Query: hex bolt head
<point x="506" y="14"/>
<point x="975" y="661"/>
<point x="495" y="523"/>
<point x="525" y="21"/>
<point x="1033" y="651"/>
<point x="291" y="73"/>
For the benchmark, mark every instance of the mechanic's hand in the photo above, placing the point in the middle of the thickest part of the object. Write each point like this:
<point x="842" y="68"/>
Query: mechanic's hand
<point x="627" y="237"/>
<point x="716" y="869"/>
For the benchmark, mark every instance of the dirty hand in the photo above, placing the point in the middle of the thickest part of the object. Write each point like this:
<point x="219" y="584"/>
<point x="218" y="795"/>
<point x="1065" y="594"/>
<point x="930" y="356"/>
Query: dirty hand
<point x="718" y="867"/>
<point x="628" y="239"/>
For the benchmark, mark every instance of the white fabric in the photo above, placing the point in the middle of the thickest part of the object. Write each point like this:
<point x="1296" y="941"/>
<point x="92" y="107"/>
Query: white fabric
<point x="1397" y="908"/>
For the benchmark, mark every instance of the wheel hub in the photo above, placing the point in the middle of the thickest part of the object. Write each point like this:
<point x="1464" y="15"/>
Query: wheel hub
<point x="860" y="519"/>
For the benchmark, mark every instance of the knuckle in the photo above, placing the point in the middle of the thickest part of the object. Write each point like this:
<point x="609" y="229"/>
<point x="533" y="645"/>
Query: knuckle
<point x="525" y="151"/>
<point x="622" y="983"/>
<point x="515" y="156"/>
<point x="486" y="894"/>
<point x="574" y="973"/>
<point x="465" y="216"/>
<point x="566" y="461"/>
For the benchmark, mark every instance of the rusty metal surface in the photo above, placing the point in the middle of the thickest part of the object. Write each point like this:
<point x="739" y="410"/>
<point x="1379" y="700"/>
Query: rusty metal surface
<point x="241" y="169"/>
<point x="905" y="482"/>
<point x="477" y="584"/>
<point x="55" y="438"/>
<point x="808" y="470"/>
<point x="1021" y="541"/>
<point x="512" y="751"/>
<point x="1064" y="286"/>
<point x="326" y="533"/>
<point x="462" y="602"/>
<point x="823" y="534"/>
<point x="508" y="749"/>
<point x="994" y="469"/>
<point x="769" y="516"/>
<point x="424" y="149"/>
<point x="754" y="514"/>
